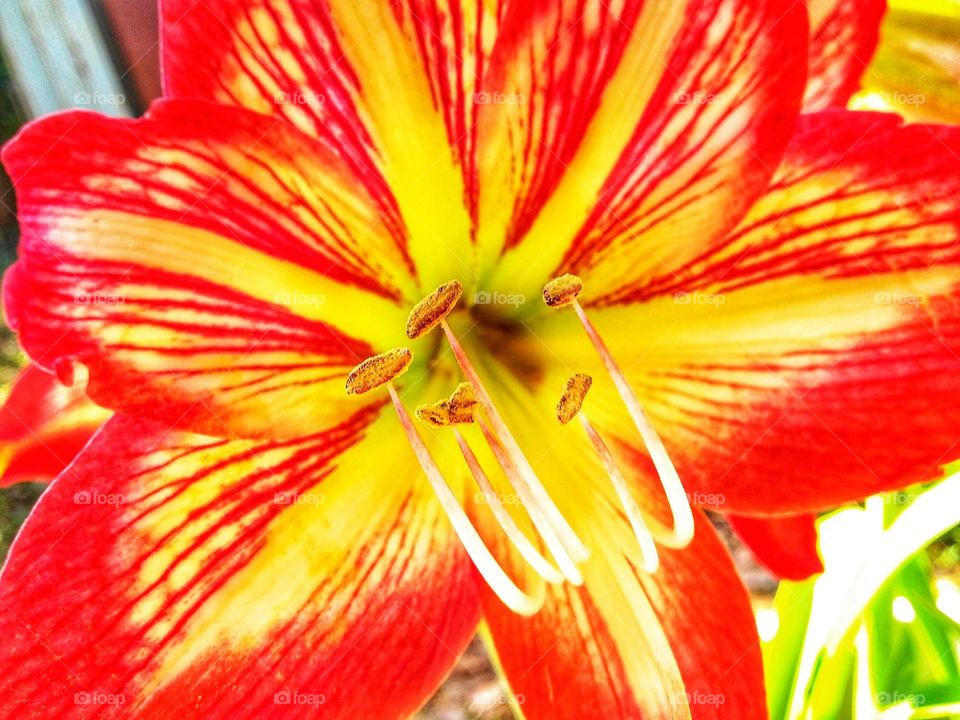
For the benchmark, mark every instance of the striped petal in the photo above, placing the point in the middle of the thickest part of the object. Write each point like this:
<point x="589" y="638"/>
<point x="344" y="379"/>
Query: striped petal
<point x="785" y="545"/>
<point x="646" y="132"/>
<point x="676" y="644"/>
<point x="813" y="358"/>
<point x="523" y="121"/>
<point x="43" y="425"/>
<point x="843" y="37"/>
<point x="587" y="653"/>
<point x="209" y="267"/>
<point x="389" y="85"/>
<point x="170" y="574"/>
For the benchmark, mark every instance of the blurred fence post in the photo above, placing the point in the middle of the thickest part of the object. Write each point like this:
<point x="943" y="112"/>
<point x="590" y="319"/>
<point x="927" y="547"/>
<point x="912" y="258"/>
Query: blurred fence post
<point x="58" y="57"/>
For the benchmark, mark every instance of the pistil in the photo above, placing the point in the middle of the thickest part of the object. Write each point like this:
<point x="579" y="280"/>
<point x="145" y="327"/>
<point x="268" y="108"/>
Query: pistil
<point x="563" y="291"/>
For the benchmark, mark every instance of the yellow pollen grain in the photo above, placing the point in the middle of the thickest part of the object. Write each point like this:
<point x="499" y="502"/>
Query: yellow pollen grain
<point x="378" y="370"/>
<point x="562" y="291"/>
<point x="429" y="312"/>
<point x="575" y="392"/>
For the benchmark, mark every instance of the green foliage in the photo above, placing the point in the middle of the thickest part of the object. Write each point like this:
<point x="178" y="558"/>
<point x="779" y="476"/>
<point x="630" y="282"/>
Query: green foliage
<point x="878" y="634"/>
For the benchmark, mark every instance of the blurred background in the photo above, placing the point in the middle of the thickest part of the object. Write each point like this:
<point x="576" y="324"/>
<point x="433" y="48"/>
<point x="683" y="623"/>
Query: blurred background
<point x="877" y="635"/>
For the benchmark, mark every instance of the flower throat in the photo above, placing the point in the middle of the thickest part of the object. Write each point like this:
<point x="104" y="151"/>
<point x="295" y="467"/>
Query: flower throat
<point x="472" y="403"/>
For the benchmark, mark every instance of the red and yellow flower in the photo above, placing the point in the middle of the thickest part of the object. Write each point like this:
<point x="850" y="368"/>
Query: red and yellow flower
<point x="246" y="539"/>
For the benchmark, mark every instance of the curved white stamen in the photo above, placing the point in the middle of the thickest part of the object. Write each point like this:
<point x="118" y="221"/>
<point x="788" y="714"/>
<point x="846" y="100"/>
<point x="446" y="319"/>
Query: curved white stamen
<point x="547" y="531"/>
<point x="573" y="544"/>
<point x="648" y="547"/>
<point x="680" y="535"/>
<point x="503" y="517"/>
<point x="512" y="596"/>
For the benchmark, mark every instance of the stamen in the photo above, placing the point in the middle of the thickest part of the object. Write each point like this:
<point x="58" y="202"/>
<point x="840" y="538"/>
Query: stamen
<point x="436" y="414"/>
<point x="680" y="535"/>
<point x="458" y="409"/>
<point x="378" y="370"/>
<point x="509" y="526"/>
<point x="512" y="596"/>
<point x="540" y="521"/>
<point x="578" y="385"/>
<point x="429" y="312"/>
<point x="562" y="291"/>
<point x="648" y="548"/>
<point x="525" y="473"/>
<point x="464" y="398"/>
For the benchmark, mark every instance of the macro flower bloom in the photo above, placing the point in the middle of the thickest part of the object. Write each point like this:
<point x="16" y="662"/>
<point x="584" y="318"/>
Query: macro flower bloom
<point x="774" y="293"/>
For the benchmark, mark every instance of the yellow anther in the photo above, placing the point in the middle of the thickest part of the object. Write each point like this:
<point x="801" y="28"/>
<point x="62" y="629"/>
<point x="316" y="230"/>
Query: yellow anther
<point x="464" y="398"/>
<point x="458" y="409"/>
<point x="436" y="414"/>
<point x="575" y="392"/>
<point x="378" y="370"/>
<point x="562" y="291"/>
<point x="430" y="312"/>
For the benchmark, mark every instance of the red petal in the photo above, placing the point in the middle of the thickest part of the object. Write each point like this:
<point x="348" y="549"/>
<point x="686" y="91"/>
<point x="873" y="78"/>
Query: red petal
<point x="43" y="425"/>
<point x="843" y="37"/>
<point x="174" y="575"/>
<point x="388" y="85"/>
<point x="648" y="132"/>
<point x="785" y="545"/>
<point x="212" y="268"/>
<point x="595" y="652"/>
<point x="813" y="358"/>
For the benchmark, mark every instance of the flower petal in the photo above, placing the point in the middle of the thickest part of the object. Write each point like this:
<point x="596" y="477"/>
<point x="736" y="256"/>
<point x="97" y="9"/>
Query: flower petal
<point x="626" y="644"/>
<point x="646" y="132"/>
<point x="176" y="574"/>
<point x="597" y="650"/>
<point x="387" y="85"/>
<point x="813" y="358"/>
<point x="43" y="425"/>
<point x="210" y="267"/>
<point x="843" y="37"/>
<point x="786" y="545"/>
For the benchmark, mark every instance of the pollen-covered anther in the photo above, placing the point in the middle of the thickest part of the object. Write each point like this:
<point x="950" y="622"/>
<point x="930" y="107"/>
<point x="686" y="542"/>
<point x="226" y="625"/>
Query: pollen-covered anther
<point x="458" y="409"/>
<point x="562" y="291"/>
<point x="463" y="400"/>
<point x="378" y="370"/>
<point x="430" y="312"/>
<point x="574" y="393"/>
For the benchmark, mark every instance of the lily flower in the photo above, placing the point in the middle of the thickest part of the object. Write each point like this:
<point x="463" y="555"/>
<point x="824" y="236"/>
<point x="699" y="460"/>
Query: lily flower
<point x="347" y="211"/>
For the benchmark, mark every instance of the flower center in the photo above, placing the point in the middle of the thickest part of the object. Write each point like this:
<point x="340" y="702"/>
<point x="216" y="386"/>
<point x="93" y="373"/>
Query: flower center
<point x="472" y="403"/>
